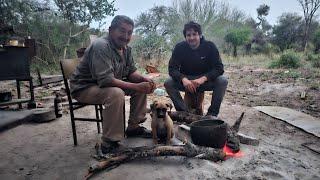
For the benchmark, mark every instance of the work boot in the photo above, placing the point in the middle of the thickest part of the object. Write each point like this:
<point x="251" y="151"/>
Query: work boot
<point x="109" y="147"/>
<point x="138" y="132"/>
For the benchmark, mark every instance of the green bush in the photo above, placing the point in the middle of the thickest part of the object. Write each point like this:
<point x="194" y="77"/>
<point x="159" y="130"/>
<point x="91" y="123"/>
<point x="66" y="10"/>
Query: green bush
<point x="314" y="59"/>
<point x="274" y="64"/>
<point x="316" y="63"/>
<point x="289" y="59"/>
<point x="270" y="48"/>
<point x="311" y="57"/>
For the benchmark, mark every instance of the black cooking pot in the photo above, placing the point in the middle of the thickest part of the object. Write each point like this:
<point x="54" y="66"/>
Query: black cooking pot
<point x="209" y="133"/>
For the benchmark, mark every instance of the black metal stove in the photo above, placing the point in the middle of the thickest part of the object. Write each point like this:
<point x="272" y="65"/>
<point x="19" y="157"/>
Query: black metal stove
<point x="15" y="65"/>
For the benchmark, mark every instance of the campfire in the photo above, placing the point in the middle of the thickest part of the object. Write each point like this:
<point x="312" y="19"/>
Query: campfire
<point x="229" y="152"/>
<point x="230" y="149"/>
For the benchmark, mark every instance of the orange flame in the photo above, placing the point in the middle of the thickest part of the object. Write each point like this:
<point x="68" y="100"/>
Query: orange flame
<point x="229" y="152"/>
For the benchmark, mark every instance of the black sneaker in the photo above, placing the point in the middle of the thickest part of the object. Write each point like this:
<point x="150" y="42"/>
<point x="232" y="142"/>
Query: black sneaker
<point x="139" y="132"/>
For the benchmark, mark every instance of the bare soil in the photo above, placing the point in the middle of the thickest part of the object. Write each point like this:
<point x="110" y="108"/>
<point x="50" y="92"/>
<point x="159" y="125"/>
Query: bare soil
<point x="46" y="151"/>
<point x="254" y="87"/>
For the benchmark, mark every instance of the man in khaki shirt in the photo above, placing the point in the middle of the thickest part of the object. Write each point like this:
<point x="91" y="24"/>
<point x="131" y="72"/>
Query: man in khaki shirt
<point x="105" y="75"/>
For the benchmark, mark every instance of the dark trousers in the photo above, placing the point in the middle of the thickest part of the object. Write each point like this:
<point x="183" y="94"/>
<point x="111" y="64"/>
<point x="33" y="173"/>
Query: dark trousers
<point x="218" y="86"/>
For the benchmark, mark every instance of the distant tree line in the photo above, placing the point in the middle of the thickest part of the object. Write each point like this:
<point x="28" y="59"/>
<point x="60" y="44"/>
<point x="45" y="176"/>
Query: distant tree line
<point x="160" y="28"/>
<point x="62" y="26"/>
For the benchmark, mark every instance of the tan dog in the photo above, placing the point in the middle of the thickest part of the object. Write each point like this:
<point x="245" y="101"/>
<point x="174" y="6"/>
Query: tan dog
<point x="161" y="124"/>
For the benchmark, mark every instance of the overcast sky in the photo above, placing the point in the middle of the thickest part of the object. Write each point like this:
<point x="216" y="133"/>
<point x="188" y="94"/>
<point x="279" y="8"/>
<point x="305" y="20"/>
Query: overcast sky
<point x="133" y="8"/>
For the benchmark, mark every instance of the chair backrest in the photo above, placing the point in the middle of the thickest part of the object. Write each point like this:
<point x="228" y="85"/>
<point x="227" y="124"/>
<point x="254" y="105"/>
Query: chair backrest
<point x="68" y="66"/>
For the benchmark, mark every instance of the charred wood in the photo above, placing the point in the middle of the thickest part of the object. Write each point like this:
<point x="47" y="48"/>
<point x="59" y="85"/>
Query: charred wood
<point x="126" y="155"/>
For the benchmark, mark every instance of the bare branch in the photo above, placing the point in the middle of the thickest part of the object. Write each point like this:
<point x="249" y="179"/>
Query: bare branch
<point x="309" y="8"/>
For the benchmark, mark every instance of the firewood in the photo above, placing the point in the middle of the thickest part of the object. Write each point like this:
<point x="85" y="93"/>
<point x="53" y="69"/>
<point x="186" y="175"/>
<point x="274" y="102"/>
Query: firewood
<point x="233" y="141"/>
<point x="236" y="125"/>
<point x="182" y="116"/>
<point x="129" y="154"/>
<point x="245" y="139"/>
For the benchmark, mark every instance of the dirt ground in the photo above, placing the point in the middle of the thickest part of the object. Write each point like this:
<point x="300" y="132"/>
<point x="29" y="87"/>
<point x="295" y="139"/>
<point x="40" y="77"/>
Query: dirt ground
<point x="253" y="87"/>
<point x="46" y="151"/>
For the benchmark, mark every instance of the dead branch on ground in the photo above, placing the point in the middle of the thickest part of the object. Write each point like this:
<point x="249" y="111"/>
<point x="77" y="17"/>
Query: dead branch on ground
<point x="188" y="150"/>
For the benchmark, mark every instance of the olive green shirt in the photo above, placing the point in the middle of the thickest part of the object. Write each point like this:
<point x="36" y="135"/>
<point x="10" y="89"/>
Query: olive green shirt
<point x="102" y="62"/>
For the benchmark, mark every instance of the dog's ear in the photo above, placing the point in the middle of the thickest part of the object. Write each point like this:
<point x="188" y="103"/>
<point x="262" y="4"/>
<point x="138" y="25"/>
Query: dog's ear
<point x="153" y="105"/>
<point x="169" y="105"/>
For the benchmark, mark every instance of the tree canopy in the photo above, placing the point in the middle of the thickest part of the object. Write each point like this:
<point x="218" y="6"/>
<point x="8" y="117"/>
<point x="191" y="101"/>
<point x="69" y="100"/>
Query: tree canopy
<point x="58" y="26"/>
<point x="237" y="37"/>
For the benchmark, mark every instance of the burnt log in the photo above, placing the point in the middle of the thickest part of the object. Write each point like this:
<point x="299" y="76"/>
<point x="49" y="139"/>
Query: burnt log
<point x="245" y="139"/>
<point x="233" y="141"/>
<point x="183" y="116"/>
<point x="129" y="154"/>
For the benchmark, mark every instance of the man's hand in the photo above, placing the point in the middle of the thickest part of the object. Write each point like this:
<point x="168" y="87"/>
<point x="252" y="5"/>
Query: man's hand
<point x="144" y="87"/>
<point x="197" y="82"/>
<point x="136" y="77"/>
<point x="154" y="86"/>
<point x="189" y="85"/>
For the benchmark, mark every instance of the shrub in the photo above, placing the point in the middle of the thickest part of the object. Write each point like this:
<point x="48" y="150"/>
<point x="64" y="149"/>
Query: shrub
<point x="316" y="63"/>
<point x="269" y="48"/>
<point x="289" y="59"/>
<point x="314" y="60"/>
<point x="311" y="57"/>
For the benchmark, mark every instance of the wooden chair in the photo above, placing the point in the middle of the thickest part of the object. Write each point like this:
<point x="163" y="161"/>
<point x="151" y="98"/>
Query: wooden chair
<point x="67" y="68"/>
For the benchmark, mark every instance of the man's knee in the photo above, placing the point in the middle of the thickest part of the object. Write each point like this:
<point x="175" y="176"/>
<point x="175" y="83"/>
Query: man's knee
<point x="113" y="93"/>
<point x="222" y="81"/>
<point x="168" y="84"/>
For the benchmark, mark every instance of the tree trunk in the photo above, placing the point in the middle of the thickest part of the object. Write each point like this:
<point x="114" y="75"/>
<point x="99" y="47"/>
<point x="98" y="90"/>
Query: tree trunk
<point x="305" y="38"/>
<point x="68" y="43"/>
<point x="234" y="51"/>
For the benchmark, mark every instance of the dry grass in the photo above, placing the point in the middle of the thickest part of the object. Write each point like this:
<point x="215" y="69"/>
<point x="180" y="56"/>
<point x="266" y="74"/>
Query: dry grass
<point x="258" y="61"/>
<point x="254" y="62"/>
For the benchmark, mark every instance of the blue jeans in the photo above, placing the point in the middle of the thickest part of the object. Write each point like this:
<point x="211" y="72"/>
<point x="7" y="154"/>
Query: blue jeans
<point x="218" y="86"/>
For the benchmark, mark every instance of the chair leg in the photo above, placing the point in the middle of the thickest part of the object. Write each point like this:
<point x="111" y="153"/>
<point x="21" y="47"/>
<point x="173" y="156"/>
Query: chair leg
<point x="97" y="117"/>
<point x="124" y="119"/>
<point x="101" y="117"/>
<point x="73" y="125"/>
